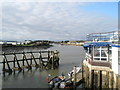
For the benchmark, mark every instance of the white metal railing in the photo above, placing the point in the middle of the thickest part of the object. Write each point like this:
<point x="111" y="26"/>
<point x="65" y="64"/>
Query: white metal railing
<point x="113" y="37"/>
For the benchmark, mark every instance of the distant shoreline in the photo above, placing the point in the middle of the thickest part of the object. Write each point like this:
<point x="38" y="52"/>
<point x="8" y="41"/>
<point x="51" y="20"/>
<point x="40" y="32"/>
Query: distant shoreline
<point x="25" y="45"/>
<point x="24" y="48"/>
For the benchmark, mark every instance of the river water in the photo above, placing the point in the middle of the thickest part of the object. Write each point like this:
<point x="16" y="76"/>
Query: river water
<point x="35" y="78"/>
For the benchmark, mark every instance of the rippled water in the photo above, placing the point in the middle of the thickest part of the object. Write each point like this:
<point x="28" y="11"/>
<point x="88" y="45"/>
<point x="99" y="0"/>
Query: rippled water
<point x="35" y="78"/>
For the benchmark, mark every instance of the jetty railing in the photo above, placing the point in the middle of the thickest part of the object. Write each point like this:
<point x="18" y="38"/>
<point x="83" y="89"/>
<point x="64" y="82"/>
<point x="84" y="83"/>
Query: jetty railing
<point x="113" y="36"/>
<point x="21" y="60"/>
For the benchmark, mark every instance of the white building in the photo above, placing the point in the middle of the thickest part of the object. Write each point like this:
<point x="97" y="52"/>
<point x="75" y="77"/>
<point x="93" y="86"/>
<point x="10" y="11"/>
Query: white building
<point x="116" y="59"/>
<point x="105" y="52"/>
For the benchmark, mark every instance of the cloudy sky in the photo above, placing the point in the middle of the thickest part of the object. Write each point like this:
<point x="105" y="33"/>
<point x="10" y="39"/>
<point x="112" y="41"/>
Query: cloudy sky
<point x="57" y="20"/>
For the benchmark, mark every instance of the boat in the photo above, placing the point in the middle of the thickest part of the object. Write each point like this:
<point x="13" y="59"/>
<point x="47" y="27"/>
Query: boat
<point x="78" y="69"/>
<point x="62" y="82"/>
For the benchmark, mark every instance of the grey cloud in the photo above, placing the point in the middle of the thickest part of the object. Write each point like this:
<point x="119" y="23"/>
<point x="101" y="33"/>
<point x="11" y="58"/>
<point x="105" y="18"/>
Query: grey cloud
<point x="51" y="21"/>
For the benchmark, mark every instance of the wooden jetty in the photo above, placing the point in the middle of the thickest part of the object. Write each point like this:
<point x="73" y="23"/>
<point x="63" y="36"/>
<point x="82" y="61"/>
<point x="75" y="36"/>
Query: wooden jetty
<point x="21" y="60"/>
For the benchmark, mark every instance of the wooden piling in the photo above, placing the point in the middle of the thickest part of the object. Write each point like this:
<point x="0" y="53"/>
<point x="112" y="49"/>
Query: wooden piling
<point x="32" y="57"/>
<point x="100" y="86"/>
<point x="92" y="81"/>
<point x="15" y="59"/>
<point x="23" y="63"/>
<point x="9" y="69"/>
<point x="24" y="56"/>
<point x="107" y="79"/>
<point x="74" y="77"/>
<point x="52" y="60"/>
<point x="3" y="64"/>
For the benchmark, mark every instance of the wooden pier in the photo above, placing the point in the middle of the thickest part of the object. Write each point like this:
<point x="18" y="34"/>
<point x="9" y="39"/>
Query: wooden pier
<point x="21" y="60"/>
<point x="100" y="78"/>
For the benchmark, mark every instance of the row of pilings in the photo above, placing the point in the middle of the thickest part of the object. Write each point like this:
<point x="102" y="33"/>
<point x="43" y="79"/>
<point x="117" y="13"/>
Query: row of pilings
<point x="21" y="60"/>
<point x="96" y="79"/>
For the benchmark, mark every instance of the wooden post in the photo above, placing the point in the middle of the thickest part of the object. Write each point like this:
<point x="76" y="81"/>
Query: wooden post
<point x="48" y="55"/>
<point x="74" y="77"/>
<point x="14" y="62"/>
<point x="10" y="70"/>
<point x="3" y="64"/>
<point x="53" y="62"/>
<point x="92" y="80"/>
<point x="107" y="81"/>
<point x="17" y="62"/>
<point x="26" y="61"/>
<point x="40" y="64"/>
<point x="23" y="61"/>
<point x="34" y="59"/>
<point x="83" y="74"/>
<point x="40" y="60"/>
<point x="100" y="82"/>
<point x="116" y="81"/>
<point x="112" y="80"/>
<point x="31" y="60"/>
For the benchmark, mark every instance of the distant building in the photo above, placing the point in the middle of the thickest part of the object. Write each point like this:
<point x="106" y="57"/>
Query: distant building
<point x="27" y="41"/>
<point x="8" y="42"/>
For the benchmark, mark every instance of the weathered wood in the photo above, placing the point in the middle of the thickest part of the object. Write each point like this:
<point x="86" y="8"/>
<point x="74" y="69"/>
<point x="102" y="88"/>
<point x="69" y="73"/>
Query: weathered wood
<point x="100" y="80"/>
<point x="42" y="62"/>
<point x="6" y="61"/>
<point x="3" y="64"/>
<point x="107" y="81"/>
<point x="92" y="81"/>
<point x="25" y="52"/>
<point x="24" y="57"/>
<point x="53" y="61"/>
<point x="17" y="61"/>
<point x="32" y="56"/>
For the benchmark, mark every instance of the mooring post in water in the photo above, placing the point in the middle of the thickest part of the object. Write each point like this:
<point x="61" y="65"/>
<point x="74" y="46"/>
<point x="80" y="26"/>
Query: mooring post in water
<point x="24" y="56"/>
<point x="14" y="62"/>
<point x="100" y="86"/>
<point x="92" y="80"/>
<point x="15" y="58"/>
<point x="112" y="80"/>
<point x="48" y="55"/>
<point x="107" y="79"/>
<point x="3" y="64"/>
<point x="31" y="60"/>
<point x="52" y="60"/>
<point x="74" y="77"/>
<point x="40" y="57"/>
<point x="34" y="59"/>
<point x="23" y="61"/>
<point x="9" y="69"/>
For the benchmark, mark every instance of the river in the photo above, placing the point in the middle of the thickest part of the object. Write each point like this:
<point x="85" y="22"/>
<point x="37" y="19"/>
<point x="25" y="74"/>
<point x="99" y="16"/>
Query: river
<point x="35" y="78"/>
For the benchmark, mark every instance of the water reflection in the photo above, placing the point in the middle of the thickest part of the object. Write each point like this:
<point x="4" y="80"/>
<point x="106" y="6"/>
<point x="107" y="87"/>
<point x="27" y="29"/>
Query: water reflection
<point x="35" y="78"/>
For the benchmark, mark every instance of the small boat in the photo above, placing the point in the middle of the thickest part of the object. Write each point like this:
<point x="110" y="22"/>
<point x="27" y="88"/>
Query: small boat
<point x="61" y="81"/>
<point x="78" y="69"/>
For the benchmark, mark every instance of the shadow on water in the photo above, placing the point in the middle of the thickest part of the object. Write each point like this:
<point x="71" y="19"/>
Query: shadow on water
<point x="33" y="78"/>
<point x="36" y="78"/>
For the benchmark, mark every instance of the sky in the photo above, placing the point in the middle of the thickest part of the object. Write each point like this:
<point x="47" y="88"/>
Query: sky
<point x="57" y="20"/>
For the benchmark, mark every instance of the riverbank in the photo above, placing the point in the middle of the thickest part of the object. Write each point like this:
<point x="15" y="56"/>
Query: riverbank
<point x="24" y="48"/>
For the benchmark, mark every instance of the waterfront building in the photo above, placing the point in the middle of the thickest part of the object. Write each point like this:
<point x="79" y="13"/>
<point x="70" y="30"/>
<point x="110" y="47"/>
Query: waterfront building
<point x="8" y="42"/>
<point x="103" y="54"/>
